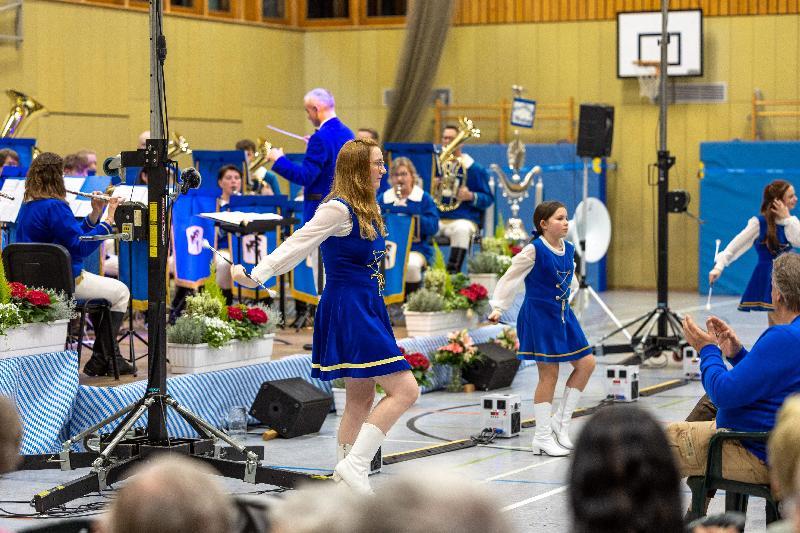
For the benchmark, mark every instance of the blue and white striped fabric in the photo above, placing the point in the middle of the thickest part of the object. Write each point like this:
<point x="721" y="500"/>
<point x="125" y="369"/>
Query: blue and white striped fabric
<point x="43" y="387"/>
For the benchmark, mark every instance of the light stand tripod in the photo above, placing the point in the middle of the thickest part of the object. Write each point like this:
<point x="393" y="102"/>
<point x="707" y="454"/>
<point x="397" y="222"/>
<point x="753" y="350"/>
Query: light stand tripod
<point x="585" y="290"/>
<point x="666" y="323"/>
<point x="118" y="451"/>
<point x="131" y="333"/>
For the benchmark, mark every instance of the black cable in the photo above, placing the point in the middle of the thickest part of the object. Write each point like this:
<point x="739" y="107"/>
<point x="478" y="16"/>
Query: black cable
<point x="486" y="436"/>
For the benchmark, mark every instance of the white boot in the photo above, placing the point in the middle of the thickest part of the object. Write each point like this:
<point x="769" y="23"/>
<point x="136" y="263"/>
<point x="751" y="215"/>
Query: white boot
<point x="563" y="416"/>
<point x="341" y="451"/>
<point x="354" y="469"/>
<point x="543" y="442"/>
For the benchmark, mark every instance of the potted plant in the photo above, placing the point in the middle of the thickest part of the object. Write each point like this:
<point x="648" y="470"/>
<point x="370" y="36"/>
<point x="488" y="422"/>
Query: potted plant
<point x="32" y="320"/>
<point x="212" y="336"/>
<point x="420" y="368"/>
<point x="458" y="353"/>
<point x="483" y="268"/>
<point x="508" y="339"/>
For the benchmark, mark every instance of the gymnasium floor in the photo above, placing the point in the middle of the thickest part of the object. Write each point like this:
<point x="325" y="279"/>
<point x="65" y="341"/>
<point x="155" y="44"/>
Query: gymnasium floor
<point x="531" y="489"/>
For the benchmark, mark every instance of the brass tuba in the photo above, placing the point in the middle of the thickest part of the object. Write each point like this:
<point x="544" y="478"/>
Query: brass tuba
<point x="451" y="171"/>
<point x="22" y="107"/>
<point x="177" y="145"/>
<point x="258" y="161"/>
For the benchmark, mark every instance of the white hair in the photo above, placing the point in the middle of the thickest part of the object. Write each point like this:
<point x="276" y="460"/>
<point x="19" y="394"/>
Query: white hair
<point x="321" y="96"/>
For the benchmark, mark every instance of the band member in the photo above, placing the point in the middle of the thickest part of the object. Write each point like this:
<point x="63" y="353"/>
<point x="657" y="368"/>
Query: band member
<point x="229" y="179"/>
<point x="352" y="335"/>
<point x="315" y="173"/>
<point x="407" y="197"/>
<point x="46" y="217"/>
<point x="773" y="232"/>
<point x="461" y="224"/>
<point x="549" y="332"/>
<point x="263" y="181"/>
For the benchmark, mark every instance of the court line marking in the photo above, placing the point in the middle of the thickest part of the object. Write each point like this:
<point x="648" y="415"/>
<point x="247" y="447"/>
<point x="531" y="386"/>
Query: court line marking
<point x="523" y="469"/>
<point x="542" y="496"/>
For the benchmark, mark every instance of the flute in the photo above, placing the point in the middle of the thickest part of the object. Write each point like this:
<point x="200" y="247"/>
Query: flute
<point x="105" y="197"/>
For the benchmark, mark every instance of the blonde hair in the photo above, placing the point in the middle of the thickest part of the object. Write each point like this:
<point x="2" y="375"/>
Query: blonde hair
<point x="783" y="448"/>
<point x="352" y="183"/>
<point x="406" y="162"/>
<point x="45" y="178"/>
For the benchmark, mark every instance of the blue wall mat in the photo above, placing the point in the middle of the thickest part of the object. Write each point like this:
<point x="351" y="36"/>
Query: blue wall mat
<point x="730" y="193"/>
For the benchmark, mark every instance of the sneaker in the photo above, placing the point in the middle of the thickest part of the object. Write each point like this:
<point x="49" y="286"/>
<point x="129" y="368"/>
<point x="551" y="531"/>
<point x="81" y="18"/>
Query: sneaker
<point x="95" y="366"/>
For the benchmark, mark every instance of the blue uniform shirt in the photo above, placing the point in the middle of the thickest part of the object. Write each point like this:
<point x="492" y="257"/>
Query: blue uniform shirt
<point x="420" y="205"/>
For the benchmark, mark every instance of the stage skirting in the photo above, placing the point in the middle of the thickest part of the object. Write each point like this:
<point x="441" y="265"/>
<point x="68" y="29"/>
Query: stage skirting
<point x="53" y="406"/>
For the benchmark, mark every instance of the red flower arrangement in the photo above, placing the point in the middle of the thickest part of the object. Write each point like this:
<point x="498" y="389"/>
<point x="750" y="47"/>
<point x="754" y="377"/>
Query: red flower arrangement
<point x="235" y="312"/>
<point x="18" y="290"/>
<point x="38" y="305"/>
<point x="475" y="293"/>
<point x="420" y="365"/>
<point x="257" y="316"/>
<point x="515" y="249"/>
<point x="248" y="322"/>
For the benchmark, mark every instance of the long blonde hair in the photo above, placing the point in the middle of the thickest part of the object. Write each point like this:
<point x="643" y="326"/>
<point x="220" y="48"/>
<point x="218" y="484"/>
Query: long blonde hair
<point x="352" y="183"/>
<point x="45" y="178"/>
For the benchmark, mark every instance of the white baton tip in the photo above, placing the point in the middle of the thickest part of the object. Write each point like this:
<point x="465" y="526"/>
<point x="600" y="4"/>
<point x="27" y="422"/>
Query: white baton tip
<point x="206" y="244"/>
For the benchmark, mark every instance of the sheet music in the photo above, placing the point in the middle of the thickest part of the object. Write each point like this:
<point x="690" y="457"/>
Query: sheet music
<point x="76" y="184"/>
<point x="9" y="209"/>
<point x="128" y="193"/>
<point x="239" y="217"/>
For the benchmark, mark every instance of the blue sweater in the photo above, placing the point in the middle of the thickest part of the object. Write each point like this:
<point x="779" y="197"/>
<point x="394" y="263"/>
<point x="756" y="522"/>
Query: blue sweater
<point x="749" y="395"/>
<point x="478" y="183"/>
<point x="51" y="221"/>
<point x="315" y="174"/>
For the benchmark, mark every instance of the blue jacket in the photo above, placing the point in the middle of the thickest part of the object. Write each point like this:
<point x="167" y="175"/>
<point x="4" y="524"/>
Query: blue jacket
<point x="315" y="174"/>
<point x="748" y="396"/>
<point x="419" y="204"/>
<point x="51" y="221"/>
<point x="478" y="183"/>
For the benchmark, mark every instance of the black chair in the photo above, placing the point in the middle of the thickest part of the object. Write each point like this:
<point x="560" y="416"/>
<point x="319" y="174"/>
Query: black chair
<point x="736" y="492"/>
<point x="50" y="266"/>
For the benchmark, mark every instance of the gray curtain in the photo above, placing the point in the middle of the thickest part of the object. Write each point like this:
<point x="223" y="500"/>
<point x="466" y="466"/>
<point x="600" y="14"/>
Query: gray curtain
<point x="428" y="22"/>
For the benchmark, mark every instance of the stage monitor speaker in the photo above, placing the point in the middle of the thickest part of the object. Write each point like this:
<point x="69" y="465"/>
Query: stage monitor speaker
<point x="292" y="407"/>
<point x="496" y="371"/>
<point x="595" y="130"/>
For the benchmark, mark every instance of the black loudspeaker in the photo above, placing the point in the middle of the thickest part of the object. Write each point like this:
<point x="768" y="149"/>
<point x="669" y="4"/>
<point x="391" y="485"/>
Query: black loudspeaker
<point x="496" y="371"/>
<point x="292" y="407"/>
<point x="595" y="130"/>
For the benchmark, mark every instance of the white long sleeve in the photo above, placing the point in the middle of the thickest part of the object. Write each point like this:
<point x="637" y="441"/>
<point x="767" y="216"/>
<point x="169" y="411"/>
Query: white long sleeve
<point x="512" y="281"/>
<point x="792" y="227"/>
<point x="739" y="245"/>
<point x="331" y="219"/>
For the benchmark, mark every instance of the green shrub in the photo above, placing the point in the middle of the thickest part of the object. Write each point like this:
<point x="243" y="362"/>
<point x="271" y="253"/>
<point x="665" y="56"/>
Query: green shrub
<point x="187" y="330"/>
<point x="484" y="263"/>
<point x="425" y="301"/>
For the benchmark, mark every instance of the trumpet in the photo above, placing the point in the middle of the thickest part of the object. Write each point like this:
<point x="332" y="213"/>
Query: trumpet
<point x="106" y="197"/>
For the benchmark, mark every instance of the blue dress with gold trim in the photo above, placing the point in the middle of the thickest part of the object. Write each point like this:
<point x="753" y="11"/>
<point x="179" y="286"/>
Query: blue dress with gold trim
<point x="758" y="294"/>
<point x="547" y="328"/>
<point x="352" y="333"/>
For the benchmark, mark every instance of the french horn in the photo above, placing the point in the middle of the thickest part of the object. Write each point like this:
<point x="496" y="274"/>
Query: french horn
<point x="452" y="173"/>
<point x="22" y="107"/>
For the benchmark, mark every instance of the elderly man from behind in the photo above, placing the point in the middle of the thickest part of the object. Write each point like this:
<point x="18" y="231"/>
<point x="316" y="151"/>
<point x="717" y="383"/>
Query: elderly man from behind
<point x="748" y="395"/>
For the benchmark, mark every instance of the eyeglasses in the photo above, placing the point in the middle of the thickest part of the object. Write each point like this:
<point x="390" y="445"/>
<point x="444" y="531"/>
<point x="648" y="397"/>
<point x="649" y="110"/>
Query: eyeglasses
<point x="379" y="164"/>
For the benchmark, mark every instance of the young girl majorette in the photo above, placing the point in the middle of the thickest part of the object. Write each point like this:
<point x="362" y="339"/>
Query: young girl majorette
<point x="547" y="328"/>
<point x="353" y="338"/>
<point x="773" y="232"/>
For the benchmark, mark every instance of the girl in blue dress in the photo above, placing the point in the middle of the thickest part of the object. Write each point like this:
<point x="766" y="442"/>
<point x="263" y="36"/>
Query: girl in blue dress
<point x="547" y="329"/>
<point x="353" y="338"/>
<point x="773" y="232"/>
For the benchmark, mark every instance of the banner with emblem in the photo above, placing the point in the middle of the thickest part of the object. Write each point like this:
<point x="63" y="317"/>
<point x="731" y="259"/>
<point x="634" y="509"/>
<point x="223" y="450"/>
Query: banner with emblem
<point x="400" y="228"/>
<point x="304" y="287"/>
<point x="192" y="262"/>
<point x="252" y="248"/>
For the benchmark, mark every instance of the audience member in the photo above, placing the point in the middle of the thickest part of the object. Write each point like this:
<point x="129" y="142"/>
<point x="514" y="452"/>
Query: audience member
<point x="747" y="396"/>
<point x="10" y="436"/>
<point x="623" y="478"/>
<point x="171" y="494"/>
<point x="783" y="451"/>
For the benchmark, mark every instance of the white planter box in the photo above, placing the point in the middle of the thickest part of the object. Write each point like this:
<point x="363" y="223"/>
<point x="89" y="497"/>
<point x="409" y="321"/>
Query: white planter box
<point x="196" y="358"/>
<point x="487" y="280"/>
<point x="34" y="338"/>
<point x="438" y="323"/>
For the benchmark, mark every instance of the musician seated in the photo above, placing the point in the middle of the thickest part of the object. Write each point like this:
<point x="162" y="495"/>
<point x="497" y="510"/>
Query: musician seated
<point x="462" y="223"/>
<point x="46" y="217"/>
<point x="76" y="165"/>
<point x="407" y="197"/>
<point x="263" y="181"/>
<point x="229" y="179"/>
<point x="9" y="158"/>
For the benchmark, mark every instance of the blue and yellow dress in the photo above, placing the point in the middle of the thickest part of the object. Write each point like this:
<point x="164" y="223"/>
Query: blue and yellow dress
<point x="758" y="294"/>
<point x="352" y="333"/>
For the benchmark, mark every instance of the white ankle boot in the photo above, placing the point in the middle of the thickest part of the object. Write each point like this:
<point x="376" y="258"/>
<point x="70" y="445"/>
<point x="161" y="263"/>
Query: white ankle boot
<point x="341" y="451"/>
<point x="563" y="416"/>
<point x="543" y="441"/>
<point x="353" y="470"/>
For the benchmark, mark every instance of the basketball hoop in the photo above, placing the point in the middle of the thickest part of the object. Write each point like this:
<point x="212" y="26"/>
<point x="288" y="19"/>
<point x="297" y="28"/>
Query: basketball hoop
<point x="649" y="79"/>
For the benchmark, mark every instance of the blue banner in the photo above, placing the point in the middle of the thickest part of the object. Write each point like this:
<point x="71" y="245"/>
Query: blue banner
<point x="192" y="261"/>
<point x="398" y="246"/>
<point x="133" y="264"/>
<point x="303" y="286"/>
